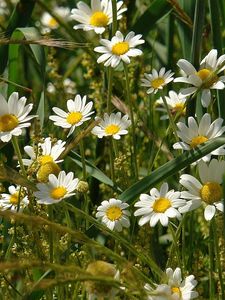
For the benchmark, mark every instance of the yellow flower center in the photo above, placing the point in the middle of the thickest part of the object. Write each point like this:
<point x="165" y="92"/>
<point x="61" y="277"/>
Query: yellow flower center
<point x="156" y="83"/>
<point x="74" y="117"/>
<point x="120" y="48"/>
<point x="46" y="169"/>
<point x="8" y="122"/>
<point x="198" y="140"/>
<point x="211" y="192"/>
<point x="179" y="107"/>
<point x="99" y="19"/>
<point x="52" y="23"/>
<point x="176" y="290"/>
<point x="14" y="198"/>
<point x="114" y="213"/>
<point x="208" y="76"/>
<point x="112" y="129"/>
<point x="44" y="159"/>
<point x="161" y="205"/>
<point x="58" y="192"/>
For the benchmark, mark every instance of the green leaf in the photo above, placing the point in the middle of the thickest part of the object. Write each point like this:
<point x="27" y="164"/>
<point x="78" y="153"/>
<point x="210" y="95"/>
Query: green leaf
<point x="156" y="10"/>
<point x="92" y="170"/>
<point x="170" y="168"/>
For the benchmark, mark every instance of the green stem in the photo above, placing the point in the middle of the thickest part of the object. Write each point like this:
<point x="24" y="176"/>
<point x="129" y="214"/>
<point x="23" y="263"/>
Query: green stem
<point x="218" y="258"/>
<point x="134" y="151"/>
<point x="175" y="240"/>
<point x="109" y="96"/>
<point x="211" y="264"/>
<point x="51" y="243"/>
<point x="18" y="153"/>
<point x="173" y="125"/>
<point x="111" y="160"/>
<point x="114" y="10"/>
<point x="82" y="154"/>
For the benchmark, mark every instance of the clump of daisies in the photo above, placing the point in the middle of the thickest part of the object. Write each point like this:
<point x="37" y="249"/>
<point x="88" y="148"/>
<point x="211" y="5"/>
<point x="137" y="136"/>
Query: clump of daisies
<point x="15" y="200"/>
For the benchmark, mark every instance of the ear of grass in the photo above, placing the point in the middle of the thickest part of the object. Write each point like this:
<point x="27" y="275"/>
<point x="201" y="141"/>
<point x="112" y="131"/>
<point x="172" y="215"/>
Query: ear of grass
<point x="20" y="18"/>
<point x="92" y="170"/>
<point x="156" y="10"/>
<point x="217" y="37"/>
<point x="170" y="168"/>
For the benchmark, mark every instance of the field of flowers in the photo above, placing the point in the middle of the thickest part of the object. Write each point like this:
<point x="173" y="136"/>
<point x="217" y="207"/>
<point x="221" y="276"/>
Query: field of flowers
<point x="112" y="170"/>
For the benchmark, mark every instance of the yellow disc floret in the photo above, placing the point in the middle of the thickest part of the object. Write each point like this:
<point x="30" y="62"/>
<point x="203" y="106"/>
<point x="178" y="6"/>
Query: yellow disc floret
<point x="211" y="192"/>
<point x="99" y="19"/>
<point x="176" y="290"/>
<point x="198" y="140"/>
<point x="58" y="192"/>
<point x="46" y="169"/>
<point x="14" y="198"/>
<point x="161" y="205"/>
<point x="44" y="159"/>
<point x="8" y="122"/>
<point x="208" y="76"/>
<point x="114" y="213"/>
<point x="112" y="129"/>
<point x="120" y="48"/>
<point x="156" y="83"/>
<point x="74" y="117"/>
<point x="52" y="23"/>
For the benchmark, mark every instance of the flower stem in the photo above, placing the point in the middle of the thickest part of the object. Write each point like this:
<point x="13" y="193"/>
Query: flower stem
<point x="211" y="264"/>
<point x="133" y="152"/>
<point x="109" y="97"/>
<point x="175" y="243"/>
<point x="114" y="10"/>
<point x="51" y="244"/>
<point x="19" y="156"/>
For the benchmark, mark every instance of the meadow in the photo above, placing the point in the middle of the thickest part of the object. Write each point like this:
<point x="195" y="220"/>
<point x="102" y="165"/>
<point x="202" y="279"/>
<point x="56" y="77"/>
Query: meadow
<point x="112" y="170"/>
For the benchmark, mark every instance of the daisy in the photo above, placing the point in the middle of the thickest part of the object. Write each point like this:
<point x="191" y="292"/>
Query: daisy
<point x="78" y="113"/>
<point x="49" y="22"/>
<point x="176" y="103"/>
<point x="194" y="135"/>
<point x="159" y="206"/>
<point x="157" y="80"/>
<point x="114" y="214"/>
<point x="13" y="116"/>
<point x="119" y="48"/>
<point x="112" y="125"/>
<point x="175" y="289"/>
<point x="49" y="152"/>
<point x="204" y="79"/>
<point x="15" y="197"/>
<point x="208" y="191"/>
<point x="96" y="17"/>
<point x="56" y="189"/>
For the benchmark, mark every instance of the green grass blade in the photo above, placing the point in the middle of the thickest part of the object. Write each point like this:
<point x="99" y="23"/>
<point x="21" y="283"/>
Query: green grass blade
<point x="156" y="10"/>
<point x="92" y="170"/>
<point x="20" y="18"/>
<point x="170" y="168"/>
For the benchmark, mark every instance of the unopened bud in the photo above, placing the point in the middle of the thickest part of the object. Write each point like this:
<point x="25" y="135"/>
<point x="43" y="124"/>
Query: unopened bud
<point x="47" y="169"/>
<point x="82" y="187"/>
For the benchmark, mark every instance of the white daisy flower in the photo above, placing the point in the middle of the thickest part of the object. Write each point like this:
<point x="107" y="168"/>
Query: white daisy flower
<point x="119" y="48"/>
<point x="157" y="80"/>
<point x="49" y="22"/>
<point x="112" y="125"/>
<point x="57" y="188"/>
<point x="159" y="206"/>
<point x="78" y="113"/>
<point x="205" y="79"/>
<point x="176" y="103"/>
<point x="13" y="116"/>
<point x="175" y="289"/>
<point x="49" y="152"/>
<point x="13" y="199"/>
<point x="96" y="17"/>
<point x="193" y="135"/>
<point x="208" y="191"/>
<point x="114" y="214"/>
